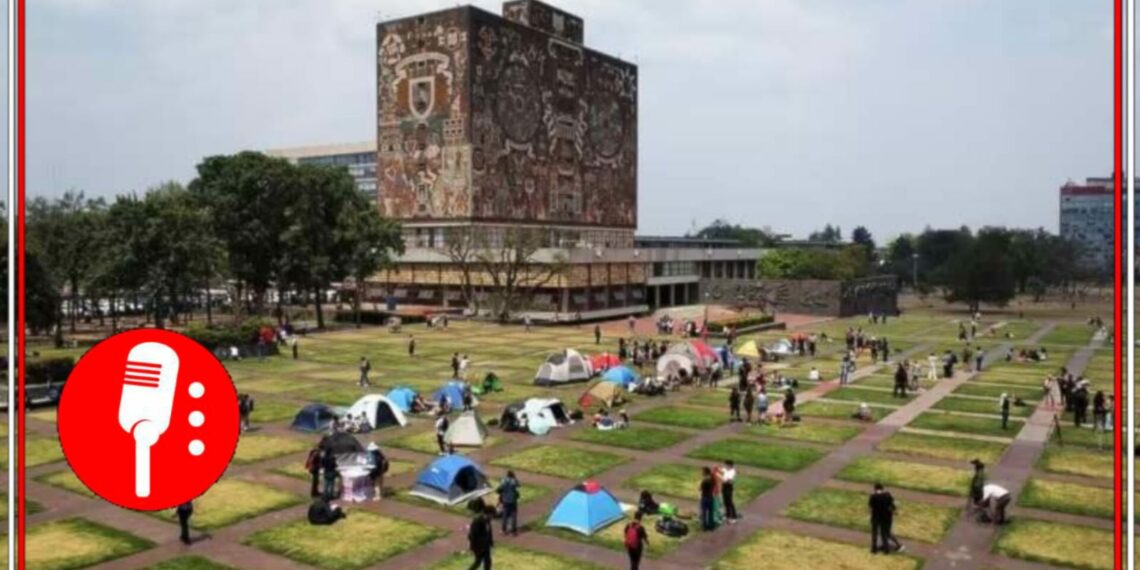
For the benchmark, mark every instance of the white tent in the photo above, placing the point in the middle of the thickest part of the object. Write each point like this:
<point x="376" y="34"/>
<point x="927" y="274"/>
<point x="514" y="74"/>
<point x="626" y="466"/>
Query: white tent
<point x="546" y="411"/>
<point x="466" y="431"/>
<point x="674" y="364"/>
<point x="564" y="367"/>
<point x="379" y="411"/>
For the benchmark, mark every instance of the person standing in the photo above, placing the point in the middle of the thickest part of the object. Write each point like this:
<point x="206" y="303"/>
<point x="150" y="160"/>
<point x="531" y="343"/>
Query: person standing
<point x="597" y="334"/>
<point x="481" y="539"/>
<point x="313" y="466"/>
<point x="749" y="401"/>
<point x="1004" y="403"/>
<point x="455" y="365"/>
<point x="882" y="506"/>
<point x="708" y="522"/>
<point x="632" y="324"/>
<point x="184" y="511"/>
<point x="245" y="407"/>
<point x="293" y="342"/>
<point x="508" y="491"/>
<point x="886" y="349"/>
<point x="979" y="358"/>
<point x="365" y="368"/>
<point x="811" y="344"/>
<point x="1100" y="411"/>
<point x="464" y="364"/>
<point x="789" y="404"/>
<point x="441" y="425"/>
<point x="900" y="382"/>
<point x="526" y="322"/>
<point x="967" y="355"/>
<point x="978" y="482"/>
<point x="329" y="466"/>
<point x="411" y="345"/>
<point x="379" y="468"/>
<point x="845" y="368"/>
<point x="932" y="367"/>
<point x="734" y="405"/>
<point x="636" y="539"/>
<point x="762" y="406"/>
<point x="728" y="480"/>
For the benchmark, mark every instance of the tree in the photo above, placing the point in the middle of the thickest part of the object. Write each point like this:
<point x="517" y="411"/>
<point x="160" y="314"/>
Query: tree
<point x="41" y="296"/>
<point x="513" y="267"/>
<point x="982" y="272"/>
<point x="748" y="237"/>
<point x="900" y="259"/>
<point x="829" y="234"/>
<point x="461" y="245"/>
<point x="861" y="237"/>
<point x="64" y="231"/>
<point x="370" y="242"/>
<point x="804" y="263"/>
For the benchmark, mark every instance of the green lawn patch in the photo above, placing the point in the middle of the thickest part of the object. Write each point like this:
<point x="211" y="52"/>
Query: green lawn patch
<point x="906" y="475"/>
<point x="66" y="480"/>
<point x="848" y="509"/>
<point x="1067" y="498"/>
<point x="779" y="550"/>
<point x="633" y="437"/>
<point x="232" y="500"/>
<point x="1056" y="543"/>
<point x="269" y="411"/>
<point x="975" y="388"/>
<point x="424" y="442"/>
<point x="839" y="410"/>
<point x="38" y="450"/>
<point x="255" y="447"/>
<point x="940" y="421"/>
<point x="814" y="432"/>
<point x="359" y="541"/>
<point x="711" y="399"/>
<point x="975" y="406"/>
<point x="1083" y="437"/>
<point x="566" y="462"/>
<point x="78" y="543"/>
<point x="683" y="482"/>
<point x="859" y="395"/>
<point x="695" y="418"/>
<point x="1078" y="335"/>
<point x="759" y="454"/>
<point x="511" y="558"/>
<point x="613" y="536"/>
<point x="1077" y="461"/>
<point x="943" y="447"/>
<point x="189" y="563"/>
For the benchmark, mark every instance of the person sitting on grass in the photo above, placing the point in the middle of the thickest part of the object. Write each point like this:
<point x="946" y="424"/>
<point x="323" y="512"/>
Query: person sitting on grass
<point x="646" y="503"/>
<point x="623" y="419"/>
<point x="864" y="413"/>
<point x="322" y="513"/>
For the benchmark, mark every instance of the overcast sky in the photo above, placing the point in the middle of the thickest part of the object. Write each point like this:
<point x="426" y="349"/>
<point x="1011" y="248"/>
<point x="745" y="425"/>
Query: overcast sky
<point x="895" y="114"/>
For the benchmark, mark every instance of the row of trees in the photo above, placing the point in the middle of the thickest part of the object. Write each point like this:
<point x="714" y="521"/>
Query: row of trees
<point x="246" y="219"/>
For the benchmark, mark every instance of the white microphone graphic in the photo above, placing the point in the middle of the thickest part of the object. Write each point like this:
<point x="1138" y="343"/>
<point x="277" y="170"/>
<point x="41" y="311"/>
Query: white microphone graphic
<point x="149" y="382"/>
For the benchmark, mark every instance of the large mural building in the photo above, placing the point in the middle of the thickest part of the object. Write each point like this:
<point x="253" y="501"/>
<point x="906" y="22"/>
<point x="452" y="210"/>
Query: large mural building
<point x="491" y="120"/>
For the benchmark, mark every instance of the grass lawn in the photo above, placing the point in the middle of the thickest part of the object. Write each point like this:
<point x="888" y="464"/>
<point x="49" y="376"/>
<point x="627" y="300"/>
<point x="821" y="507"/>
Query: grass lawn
<point x="943" y="447"/>
<point x="1055" y="543"/>
<point x="424" y="442"/>
<point x="848" y="509"/>
<point x="1083" y="437"/>
<point x="859" y="395"/>
<point x="189" y="563"/>
<point x="1026" y="378"/>
<point x="710" y="398"/>
<point x="38" y="450"/>
<point x="510" y="558"/>
<point x="1077" y="461"/>
<point x="779" y="550"/>
<point x="254" y="447"/>
<point x="634" y="437"/>
<point x="695" y="418"/>
<point x="78" y="543"/>
<point x="266" y="411"/>
<point x="566" y="462"/>
<point x="613" y="536"/>
<point x="359" y="541"/>
<point x="976" y="406"/>
<point x="46" y="415"/>
<point x="683" y="482"/>
<point x="1078" y="335"/>
<point x="815" y="432"/>
<point x="841" y="410"/>
<point x="66" y="479"/>
<point x="759" y="454"/>
<point x="232" y="500"/>
<point x="965" y="424"/>
<point x="1067" y="498"/>
<point x="975" y="388"/>
<point x="905" y="475"/>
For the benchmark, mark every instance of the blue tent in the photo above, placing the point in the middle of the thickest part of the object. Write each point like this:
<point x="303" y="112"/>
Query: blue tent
<point x="586" y="508"/>
<point x="314" y="418"/>
<point x="403" y="398"/>
<point x="620" y="375"/>
<point x="453" y="391"/>
<point x="450" y="480"/>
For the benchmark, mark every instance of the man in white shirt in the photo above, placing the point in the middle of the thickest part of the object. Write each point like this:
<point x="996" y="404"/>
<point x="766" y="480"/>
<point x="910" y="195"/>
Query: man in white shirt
<point x="464" y="364"/>
<point x="932" y="367"/>
<point x="813" y="375"/>
<point x="995" y="499"/>
<point x="727" y="485"/>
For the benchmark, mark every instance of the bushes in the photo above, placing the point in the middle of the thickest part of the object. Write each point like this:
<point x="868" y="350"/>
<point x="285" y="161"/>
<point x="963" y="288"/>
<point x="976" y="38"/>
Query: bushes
<point x="741" y="323"/>
<point x="53" y="370"/>
<point x="243" y="334"/>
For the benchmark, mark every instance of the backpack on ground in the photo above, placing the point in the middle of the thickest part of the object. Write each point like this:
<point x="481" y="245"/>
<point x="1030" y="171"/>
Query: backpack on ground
<point x="632" y="536"/>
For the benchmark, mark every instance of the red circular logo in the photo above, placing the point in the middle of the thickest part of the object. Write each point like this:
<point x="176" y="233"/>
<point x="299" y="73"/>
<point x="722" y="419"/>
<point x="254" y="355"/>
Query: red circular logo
<point x="148" y="419"/>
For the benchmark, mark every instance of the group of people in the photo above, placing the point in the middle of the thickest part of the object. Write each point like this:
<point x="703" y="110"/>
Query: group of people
<point x="755" y="397"/>
<point x="1075" y="399"/>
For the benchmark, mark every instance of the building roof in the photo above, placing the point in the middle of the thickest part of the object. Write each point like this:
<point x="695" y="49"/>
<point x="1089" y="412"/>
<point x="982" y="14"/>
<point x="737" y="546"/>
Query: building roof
<point x="323" y="150"/>
<point x="1074" y="189"/>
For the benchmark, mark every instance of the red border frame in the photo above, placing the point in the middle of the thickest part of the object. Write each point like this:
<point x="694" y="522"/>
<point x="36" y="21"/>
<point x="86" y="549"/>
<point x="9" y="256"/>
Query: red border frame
<point x="21" y="185"/>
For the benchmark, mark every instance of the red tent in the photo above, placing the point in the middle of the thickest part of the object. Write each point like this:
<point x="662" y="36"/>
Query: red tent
<point x="604" y="361"/>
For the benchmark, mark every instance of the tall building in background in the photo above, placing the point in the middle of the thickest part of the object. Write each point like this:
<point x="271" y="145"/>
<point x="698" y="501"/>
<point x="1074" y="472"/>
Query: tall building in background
<point x="1088" y="217"/>
<point x="494" y="121"/>
<point x="358" y="158"/>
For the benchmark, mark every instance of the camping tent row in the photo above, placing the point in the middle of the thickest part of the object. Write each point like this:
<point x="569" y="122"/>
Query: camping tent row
<point x="379" y="411"/>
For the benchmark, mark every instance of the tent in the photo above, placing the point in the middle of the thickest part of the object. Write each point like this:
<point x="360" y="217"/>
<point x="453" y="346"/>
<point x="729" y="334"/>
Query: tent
<point x="313" y="418"/>
<point x="586" y="508"/>
<point x="540" y="425"/>
<point x="620" y="375"/>
<point x="379" y="411"/>
<point x="689" y="351"/>
<point x="602" y="393"/>
<point x="450" y="480"/>
<point x="604" y="361"/>
<point x="563" y="367"/>
<point x="341" y="443"/>
<point x="509" y="420"/>
<point x="674" y="364"/>
<point x="704" y="350"/>
<point x="550" y="410"/>
<point x="453" y="391"/>
<point x="780" y="348"/>
<point x="466" y="431"/>
<point x="749" y="350"/>
<point x="402" y="397"/>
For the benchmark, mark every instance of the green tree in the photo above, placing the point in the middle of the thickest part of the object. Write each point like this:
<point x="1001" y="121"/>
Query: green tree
<point x="982" y="272"/>
<point x="65" y="233"/>
<point x="862" y="238"/>
<point x="41" y="296"/>
<point x="371" y="243"/>
<point x="748" y="237"/>
<point x="829" y="234"/>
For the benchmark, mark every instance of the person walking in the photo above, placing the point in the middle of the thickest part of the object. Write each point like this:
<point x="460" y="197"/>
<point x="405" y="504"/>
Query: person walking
<point x="597" y="334"/>
<point x="1100" y="411"/>
<point x="508" y="491"/>
<point x="762" y="406"/>
<point x="185" y="510"/>
<point x="728" y="480"/>
<point x="845" y="368"/>
<point x="1004" y="404"/>
<point x="455" y="365"/>
<point x="979" y="358"/>
<point x="365" y="368"/>
<point x="882" y="506"/>
<point x="886" y="348"/>
<point x="294" y="345"/>
<point x="636" y="539"/>
<point x="900" y="382"/>
<point x="245" y="407"/>
<point x="441" y="425"/>
<point x="932" y="367"/>
<point x="708" y="521"/>
<point x="379" y="468"/>
<point x="789" y="404"/>
<point x="481" y="539"/>
<point x="749" y="401"/>
<point x="329" y="466"/>
<point x="411" y="345"/>
<point x="734" y="405"/>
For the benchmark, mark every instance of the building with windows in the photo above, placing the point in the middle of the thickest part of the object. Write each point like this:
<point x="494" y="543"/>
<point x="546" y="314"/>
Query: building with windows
<point x="358" y="158"/>
<point x="1088" y="217"/>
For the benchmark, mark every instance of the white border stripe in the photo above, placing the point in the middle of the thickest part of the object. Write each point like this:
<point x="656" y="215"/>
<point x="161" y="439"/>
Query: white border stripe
<point x="12" y="499"/>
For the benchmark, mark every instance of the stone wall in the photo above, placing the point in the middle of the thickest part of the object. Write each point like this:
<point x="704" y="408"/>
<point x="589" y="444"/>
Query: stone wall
<point x="809" y="297"/>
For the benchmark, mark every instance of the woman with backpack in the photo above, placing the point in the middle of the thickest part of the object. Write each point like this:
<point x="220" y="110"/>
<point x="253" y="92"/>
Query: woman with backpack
<point x="636" y="539"/>
<point x="379" y="468"/>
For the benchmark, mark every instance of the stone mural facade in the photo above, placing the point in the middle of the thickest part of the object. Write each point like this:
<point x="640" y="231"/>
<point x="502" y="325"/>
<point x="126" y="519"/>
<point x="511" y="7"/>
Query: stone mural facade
<point x="491" y="119"/>
<point x="809" y="297"/>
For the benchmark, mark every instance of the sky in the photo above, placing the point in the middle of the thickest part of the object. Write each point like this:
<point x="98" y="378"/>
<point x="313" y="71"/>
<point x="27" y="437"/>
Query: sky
<point x="892" y="114"/>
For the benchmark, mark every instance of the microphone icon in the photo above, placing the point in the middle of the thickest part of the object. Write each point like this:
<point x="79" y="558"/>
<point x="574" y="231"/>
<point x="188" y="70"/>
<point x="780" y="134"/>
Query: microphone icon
<point x="149" y="381"/>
